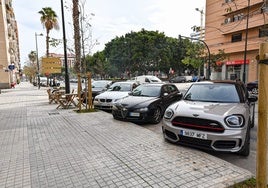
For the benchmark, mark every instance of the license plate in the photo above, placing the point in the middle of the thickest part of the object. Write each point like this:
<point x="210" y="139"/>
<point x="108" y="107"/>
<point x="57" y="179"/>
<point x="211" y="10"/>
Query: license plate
<point x="193" y="134"/>
<point x="134" y="114"/>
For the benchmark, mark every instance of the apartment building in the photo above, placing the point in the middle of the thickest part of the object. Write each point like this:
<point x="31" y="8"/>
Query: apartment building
<point x="236" y="26"/>
<point x="9" y="46"/>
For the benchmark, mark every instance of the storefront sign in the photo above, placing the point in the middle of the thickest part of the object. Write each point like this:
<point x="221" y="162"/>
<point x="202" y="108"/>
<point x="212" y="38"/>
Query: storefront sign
<point x="237" y="62"/>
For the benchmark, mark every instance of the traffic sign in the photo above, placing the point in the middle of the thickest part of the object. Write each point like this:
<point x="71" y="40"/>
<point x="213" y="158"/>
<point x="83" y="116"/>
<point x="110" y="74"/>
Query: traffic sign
<point x="51" y="65"/>
<point x="11" y="67"/>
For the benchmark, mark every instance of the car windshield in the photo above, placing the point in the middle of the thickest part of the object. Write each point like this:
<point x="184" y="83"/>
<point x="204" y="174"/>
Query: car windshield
<point x="147" y="91"/>
<point x="100" y="84"/>
<point x="222" y="93"/>
<point x="120" y="87"/>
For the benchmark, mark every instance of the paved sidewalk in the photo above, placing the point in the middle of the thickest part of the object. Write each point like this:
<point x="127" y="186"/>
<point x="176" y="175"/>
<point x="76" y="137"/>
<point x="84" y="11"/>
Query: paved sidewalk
<point x="44" y="147"/>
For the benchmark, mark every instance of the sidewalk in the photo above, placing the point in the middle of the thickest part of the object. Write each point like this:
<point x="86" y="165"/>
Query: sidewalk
<point x="44" y="147"/>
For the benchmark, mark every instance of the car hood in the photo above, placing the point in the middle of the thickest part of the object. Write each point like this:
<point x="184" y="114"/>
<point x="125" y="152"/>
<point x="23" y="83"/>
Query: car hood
<point x="205" y="109"/>
<point x="112" y="95"/>
<point x="137" y="101"/>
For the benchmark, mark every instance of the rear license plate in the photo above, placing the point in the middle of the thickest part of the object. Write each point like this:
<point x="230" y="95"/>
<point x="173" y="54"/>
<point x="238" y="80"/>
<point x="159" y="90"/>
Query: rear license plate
<point x="193" y="134"/>
<point x="134" y="114"/>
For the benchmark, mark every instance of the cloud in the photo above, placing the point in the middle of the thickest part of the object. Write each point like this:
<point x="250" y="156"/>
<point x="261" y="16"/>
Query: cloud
<point x="112" y="18"/>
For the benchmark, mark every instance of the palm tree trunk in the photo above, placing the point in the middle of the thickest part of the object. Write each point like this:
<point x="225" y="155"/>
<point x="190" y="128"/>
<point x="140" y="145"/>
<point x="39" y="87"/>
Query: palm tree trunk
<point x="47" y="43"/>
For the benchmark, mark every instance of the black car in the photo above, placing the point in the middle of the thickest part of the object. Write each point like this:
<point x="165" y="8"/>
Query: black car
<point x="253" y="87"/>
<point x="146" y="103"/>
<point x="178" y="79"/>
<point x="99" y="86"/>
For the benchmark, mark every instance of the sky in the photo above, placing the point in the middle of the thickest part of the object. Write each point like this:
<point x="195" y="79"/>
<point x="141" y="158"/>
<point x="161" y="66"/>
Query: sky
<point x="108" y="19"/>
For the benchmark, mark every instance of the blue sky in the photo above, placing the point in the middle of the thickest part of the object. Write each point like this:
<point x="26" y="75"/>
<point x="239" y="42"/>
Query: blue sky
<point x="111" y="18"/>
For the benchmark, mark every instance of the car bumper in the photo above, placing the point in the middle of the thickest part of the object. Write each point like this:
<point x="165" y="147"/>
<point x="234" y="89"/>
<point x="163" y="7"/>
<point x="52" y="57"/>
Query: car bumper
<point x="231" y="140"/>
<point x="136" y="117"/>
<point x="103" y="106"/>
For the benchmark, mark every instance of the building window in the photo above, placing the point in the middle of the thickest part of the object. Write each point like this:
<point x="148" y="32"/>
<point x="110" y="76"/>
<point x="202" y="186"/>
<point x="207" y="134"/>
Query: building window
<point x="263" y="32"/>
<point x="228" y="1"/>
<point x="237" y="37"/>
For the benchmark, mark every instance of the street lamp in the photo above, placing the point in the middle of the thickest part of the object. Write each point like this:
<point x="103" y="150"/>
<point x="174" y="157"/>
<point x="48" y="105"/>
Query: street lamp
<point x="201" y="22"/>
<point x="246" y="44"/>
<point x="37" y="60"/>
<point x="208" y="68"/>
<point x="67" y="81"/>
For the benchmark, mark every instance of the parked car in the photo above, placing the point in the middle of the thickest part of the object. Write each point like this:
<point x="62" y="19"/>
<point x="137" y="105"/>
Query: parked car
<point x="146" y="79"/>
<point x="99" y="86"/>
<point x="146" y="103"/>
<point x="116" y="91"/>
<point x="213" y="115"/>
<point x="178" y="79"/>
<point x="253" y="87"/>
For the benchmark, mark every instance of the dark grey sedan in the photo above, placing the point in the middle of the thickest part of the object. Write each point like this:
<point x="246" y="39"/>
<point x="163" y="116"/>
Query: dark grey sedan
<point x="146" y="103"/>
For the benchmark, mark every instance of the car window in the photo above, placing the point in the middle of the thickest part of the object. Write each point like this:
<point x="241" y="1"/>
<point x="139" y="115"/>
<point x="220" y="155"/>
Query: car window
<point x="120" y="87"/>
<point x="213" y="93"/>
<point x="147" y="91"/>
<point x="100" y="84"/>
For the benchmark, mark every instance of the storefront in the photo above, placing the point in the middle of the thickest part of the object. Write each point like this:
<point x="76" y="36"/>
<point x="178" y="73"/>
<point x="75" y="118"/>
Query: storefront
<point x="235" y="69"/>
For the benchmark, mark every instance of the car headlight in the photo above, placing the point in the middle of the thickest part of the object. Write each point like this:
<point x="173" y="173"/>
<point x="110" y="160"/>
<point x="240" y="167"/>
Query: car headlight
<point x="145" y="109"/>
<point x="235" y="121"/>
<point x="114" y="107"/>
<point x="168" y="113"/>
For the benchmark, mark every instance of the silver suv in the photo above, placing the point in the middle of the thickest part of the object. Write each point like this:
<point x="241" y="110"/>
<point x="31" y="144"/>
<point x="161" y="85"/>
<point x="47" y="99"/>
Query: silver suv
<point x="212" y="115"/>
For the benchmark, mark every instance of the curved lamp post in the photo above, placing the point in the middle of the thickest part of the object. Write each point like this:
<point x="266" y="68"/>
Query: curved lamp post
<point x="208" y="73"/>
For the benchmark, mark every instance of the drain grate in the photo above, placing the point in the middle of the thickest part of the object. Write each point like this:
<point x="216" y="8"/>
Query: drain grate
<point x="53" y="113"/>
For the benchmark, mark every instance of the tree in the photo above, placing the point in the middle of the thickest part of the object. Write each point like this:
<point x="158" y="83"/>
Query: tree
<point x="77" y="37"/>
<point x="140" y="52"/>
<point x="49" y="21"/>
<point x="30" y="70"/>
<point x="195" y="55"/>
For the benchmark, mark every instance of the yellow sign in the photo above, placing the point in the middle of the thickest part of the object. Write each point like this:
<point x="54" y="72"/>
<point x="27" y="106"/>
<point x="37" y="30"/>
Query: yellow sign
<point x="51" y="65"/>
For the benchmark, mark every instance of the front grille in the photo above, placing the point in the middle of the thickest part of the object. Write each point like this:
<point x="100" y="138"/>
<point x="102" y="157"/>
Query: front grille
<point x="198" y="124"/>
<point x="105" y="100"/>
<point x="224" y="144"/>
<point x="170" y="135"/>
<point x="195" y="142"/>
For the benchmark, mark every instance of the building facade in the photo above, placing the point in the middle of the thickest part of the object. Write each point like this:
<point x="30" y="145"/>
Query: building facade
<point x="10" y="56"/>
<point x="238" y="27"/>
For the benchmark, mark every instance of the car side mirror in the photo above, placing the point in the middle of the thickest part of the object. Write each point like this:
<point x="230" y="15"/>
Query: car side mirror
<point x="252" y="98"/>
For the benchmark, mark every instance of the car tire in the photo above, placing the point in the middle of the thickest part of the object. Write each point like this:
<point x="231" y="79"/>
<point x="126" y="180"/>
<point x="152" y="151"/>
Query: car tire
<point x="157" y="115"/>
<point x="245" y="150"/>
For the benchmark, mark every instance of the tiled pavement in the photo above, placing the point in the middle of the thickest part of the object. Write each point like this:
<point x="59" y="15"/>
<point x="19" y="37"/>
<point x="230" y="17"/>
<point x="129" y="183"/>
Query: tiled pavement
<point x="44" y="147"/>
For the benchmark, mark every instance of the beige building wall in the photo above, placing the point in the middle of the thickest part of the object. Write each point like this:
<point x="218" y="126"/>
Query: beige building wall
<point x="225" y="29"/>
<point x="9" y="45"/>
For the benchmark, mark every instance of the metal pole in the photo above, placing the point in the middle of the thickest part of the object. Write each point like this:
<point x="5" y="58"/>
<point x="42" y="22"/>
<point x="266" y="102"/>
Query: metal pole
<point x="37" y="62"/>
<point x="246" y="44"/>
<point x="67" y="81"/>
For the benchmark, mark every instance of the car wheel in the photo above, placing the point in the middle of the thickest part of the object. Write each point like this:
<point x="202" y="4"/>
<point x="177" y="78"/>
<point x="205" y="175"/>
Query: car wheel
<point x="114" y="116"/>
<point x="157" y="116"/>
<point x="254" y="91"/>
<point x="246" y="148"/>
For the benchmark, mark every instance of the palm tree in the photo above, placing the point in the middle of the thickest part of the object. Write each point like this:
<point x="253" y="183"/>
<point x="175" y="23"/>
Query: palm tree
<point x="49" y="21"/>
